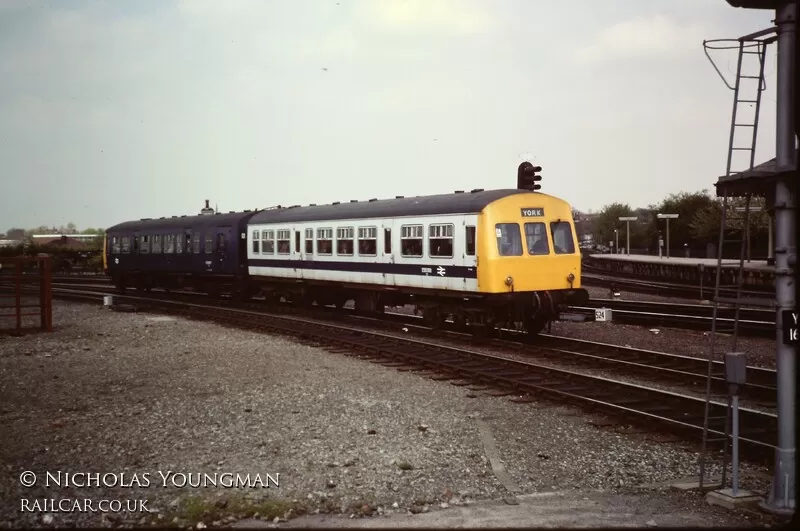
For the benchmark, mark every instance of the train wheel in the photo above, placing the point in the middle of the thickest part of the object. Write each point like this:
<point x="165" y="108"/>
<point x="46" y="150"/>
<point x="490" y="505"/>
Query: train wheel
<point x="533" y="326"/>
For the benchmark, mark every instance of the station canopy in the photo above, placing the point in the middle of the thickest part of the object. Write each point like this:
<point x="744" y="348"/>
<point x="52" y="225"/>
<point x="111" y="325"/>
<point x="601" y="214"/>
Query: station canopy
<point x="759" y="180"/>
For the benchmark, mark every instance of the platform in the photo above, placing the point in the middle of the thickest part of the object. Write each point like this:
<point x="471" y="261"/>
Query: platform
<point x="693" y="271"/>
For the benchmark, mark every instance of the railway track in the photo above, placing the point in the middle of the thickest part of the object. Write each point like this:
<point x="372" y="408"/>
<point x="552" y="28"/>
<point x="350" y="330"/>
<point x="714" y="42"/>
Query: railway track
<point x="600" y="278"/>
<point x="688" y="371"/>
<point x="496" y="375"/>
<point x="752" y="321"/>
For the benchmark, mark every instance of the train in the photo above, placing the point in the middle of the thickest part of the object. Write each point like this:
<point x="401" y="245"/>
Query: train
<point x="483" y="258"/>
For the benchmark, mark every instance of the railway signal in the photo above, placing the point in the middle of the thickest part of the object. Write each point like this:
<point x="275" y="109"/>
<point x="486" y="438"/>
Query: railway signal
<point x="527" y="178"/>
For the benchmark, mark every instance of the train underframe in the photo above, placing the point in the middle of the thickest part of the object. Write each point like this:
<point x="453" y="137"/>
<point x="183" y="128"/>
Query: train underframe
<point x="525" y="311"/>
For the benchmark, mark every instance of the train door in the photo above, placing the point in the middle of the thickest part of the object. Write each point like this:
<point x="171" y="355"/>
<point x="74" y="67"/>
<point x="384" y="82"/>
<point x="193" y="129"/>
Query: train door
<point x="299" y="254"/>
<point x="220" y="256"/>
<point x="387" y="253"/>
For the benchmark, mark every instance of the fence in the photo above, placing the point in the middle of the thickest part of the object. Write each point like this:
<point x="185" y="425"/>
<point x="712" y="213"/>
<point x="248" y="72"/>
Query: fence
<point x="23" y="280"/>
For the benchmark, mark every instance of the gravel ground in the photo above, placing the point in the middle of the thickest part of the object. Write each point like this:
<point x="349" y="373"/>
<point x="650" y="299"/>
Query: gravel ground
<point x="115" y="392"/>
<point x="596" y="292"/>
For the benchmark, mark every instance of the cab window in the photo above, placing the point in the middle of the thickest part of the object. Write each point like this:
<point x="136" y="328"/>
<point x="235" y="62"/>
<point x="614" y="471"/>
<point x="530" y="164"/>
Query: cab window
<point x="509" y="241"/>
<point x="562" y="237"/>
<point x="536" y="238"/>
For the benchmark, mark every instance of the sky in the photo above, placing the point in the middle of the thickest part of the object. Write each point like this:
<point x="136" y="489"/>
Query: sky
<point x="120" y="110"/>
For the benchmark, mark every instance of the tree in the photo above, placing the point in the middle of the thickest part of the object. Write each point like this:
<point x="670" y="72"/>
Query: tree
<point x="15" y="234"/>
<point x="608" y="220"/>
<point x="686" y="205"/>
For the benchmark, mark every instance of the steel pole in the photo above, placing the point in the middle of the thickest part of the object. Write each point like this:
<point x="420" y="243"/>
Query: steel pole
<point x="769" y="237"/>
<point x="782" y="494"/>
<point x="628" y="237"/>
<point x="616" y="239"/>
<point x="735" y="452"/>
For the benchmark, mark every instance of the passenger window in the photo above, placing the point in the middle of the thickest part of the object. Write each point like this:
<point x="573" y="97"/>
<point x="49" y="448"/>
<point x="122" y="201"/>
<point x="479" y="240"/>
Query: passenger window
<point x="411" y="240"/>
<point x="169" y="243"/>
<point x="220" y="243"/>
<point x="126" y="244"/>
<point x="178" y="243"/>
<point x="144" y="245"/>
<point x="509" y="241"/>
<point x="268" y="242"/>
<point x="324" y="241"/>
<point x="368" y="241"/>
<point x="115" y="245"/>
<point x="256" y="242"/>
<point x="344" y="241"/>
<point x="440" y="241"/>
<point x="387" y="241"/>
<point x="156" y="244"/>
<point x="208" y="245"/>
<point x="195" y="243"/>
<point x="309" y="241"/>
<point x="562" y="237"/>
<point x="536" y="237"/>
<point x="284" y="241"/>
<point x="470" y="241"/>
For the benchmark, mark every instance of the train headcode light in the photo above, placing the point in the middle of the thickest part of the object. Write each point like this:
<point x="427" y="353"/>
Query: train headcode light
<point x="527" y="178"/>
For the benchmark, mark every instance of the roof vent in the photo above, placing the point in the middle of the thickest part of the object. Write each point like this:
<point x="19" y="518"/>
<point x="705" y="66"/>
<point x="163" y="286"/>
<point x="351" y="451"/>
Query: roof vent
<point x="313" y="204"/>
<point x="399" y="196"/>
<point x="373" y="199"/>
<point x="145" y="219"/>
<point x="247" y="211"/>
<point x="162" y="217"/>
<point x="183" y="216"/>
<point x="354" y="200"/>
<point x="459" y="191"/>
<point x="294" y="206"/>
<point x="206" y="210"/>
<point x="336" y="203"/>
<point x="476" y="190"/>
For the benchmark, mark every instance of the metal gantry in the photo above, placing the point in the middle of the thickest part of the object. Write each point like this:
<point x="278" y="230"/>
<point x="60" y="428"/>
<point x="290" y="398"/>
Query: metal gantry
<point x="776" y="180"/>
<point x="747" y="89"/>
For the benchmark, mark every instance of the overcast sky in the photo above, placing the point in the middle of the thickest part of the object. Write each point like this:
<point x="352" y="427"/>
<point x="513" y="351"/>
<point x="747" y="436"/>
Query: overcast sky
<point x="118" y="110"/>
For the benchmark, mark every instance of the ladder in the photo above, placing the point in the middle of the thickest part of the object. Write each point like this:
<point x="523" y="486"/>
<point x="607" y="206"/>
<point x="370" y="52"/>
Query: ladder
<point x="747" y="89"/>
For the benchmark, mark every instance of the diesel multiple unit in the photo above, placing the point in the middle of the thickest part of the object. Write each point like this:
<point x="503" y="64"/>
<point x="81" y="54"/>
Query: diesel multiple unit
<point x="488" y="258"/>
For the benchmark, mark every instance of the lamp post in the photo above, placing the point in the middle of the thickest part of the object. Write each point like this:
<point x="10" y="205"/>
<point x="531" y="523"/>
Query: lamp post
<point x="627" y="220"/>
<point x="668" y="217"/>
<point x="616" y="240"/>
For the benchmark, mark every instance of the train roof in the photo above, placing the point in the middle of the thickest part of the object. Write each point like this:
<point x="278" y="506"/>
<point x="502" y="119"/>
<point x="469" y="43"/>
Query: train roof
<point x="457" y="203"/>
<point x="185" y="222"/>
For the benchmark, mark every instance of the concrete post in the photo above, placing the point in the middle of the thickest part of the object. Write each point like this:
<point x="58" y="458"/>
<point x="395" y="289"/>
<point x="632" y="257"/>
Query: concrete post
<point x="628" y="237"/>
<point x="782" y="494"/>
